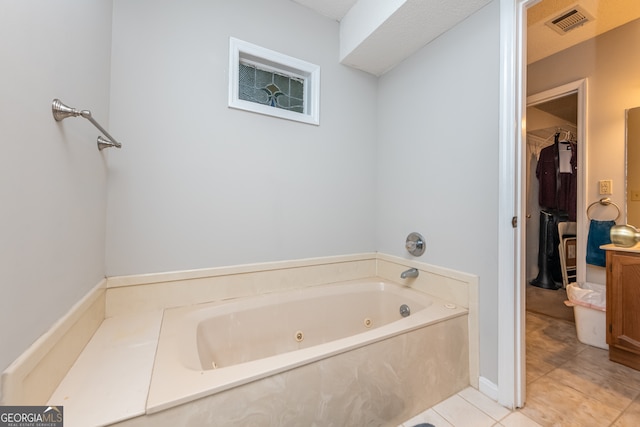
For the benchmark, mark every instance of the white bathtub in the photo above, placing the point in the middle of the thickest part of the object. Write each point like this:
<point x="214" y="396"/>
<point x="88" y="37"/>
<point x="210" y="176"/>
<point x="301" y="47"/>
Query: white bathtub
<point x="327" y="355"/>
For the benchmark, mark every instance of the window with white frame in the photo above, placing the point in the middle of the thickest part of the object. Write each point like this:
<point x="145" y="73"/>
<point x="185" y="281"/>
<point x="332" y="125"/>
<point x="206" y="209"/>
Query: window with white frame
<point x="267" y="82"/>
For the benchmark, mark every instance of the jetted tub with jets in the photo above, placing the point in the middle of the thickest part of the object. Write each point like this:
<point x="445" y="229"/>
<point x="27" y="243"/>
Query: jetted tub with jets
<point x="338" y="354"/>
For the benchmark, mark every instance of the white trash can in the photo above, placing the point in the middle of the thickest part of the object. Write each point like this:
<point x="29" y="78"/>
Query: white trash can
<point x="589" y="309"/>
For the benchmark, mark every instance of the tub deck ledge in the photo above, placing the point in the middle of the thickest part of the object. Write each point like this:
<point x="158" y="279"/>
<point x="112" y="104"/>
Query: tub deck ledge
<point x="110" y="379"/>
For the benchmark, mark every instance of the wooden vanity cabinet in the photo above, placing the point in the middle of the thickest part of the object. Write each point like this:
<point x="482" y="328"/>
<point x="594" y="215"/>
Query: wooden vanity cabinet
<point x="623" y="307"/>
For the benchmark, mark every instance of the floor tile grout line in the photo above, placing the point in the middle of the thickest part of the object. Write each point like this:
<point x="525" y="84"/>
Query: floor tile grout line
<point x="480" y="409"/>
<point x="591" y="362"/>
<point x="608" y="377"/>
<point x="582" y="393"/>
<point x="496" y="421"/>
<point x="637" y="397"/>
<point x="621" y="413"/>
<point x="442" y="416"/>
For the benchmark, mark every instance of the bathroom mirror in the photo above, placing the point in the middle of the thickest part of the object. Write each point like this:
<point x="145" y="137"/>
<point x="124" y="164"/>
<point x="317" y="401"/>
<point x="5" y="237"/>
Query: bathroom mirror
<point x="633" y="166"/>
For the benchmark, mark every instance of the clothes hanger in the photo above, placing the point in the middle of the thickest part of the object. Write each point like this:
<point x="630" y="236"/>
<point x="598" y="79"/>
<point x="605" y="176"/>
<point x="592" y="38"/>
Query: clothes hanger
<point x="567" y="137"/>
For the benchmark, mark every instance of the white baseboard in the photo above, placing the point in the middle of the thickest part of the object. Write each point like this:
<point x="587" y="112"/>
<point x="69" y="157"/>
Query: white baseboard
<point x="488" y="388"/>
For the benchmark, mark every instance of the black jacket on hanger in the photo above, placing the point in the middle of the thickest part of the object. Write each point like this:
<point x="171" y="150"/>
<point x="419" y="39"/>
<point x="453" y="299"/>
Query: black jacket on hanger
<point x="558" y="190"/>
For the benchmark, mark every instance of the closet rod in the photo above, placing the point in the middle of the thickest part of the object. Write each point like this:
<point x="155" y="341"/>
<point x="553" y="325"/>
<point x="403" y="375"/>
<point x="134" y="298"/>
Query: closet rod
<point x="62" y="111"/>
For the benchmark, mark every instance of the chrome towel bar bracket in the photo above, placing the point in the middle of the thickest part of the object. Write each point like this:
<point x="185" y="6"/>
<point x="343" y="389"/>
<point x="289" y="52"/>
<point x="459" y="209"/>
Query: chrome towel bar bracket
<point x="62" y="111"/>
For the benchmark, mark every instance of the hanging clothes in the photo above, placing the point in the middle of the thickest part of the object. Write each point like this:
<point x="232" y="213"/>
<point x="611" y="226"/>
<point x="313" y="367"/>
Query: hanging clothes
<point x="558" y="177"/>
<point x="549" y="267"/>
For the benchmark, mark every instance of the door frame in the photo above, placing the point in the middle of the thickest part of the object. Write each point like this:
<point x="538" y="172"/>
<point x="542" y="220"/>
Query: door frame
<point x="578" y="87"/>
<point x="511" y="385"/>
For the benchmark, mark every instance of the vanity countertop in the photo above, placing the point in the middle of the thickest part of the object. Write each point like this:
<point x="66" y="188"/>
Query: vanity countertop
<point x="612" y="247"/>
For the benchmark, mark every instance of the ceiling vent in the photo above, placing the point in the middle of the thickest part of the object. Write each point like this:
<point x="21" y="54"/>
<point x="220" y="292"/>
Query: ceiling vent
<point x="567" y="21"/>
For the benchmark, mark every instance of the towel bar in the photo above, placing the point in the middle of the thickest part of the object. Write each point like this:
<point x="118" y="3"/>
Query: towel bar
<point x="62" y="111"/>
<point x="605" y="202"/>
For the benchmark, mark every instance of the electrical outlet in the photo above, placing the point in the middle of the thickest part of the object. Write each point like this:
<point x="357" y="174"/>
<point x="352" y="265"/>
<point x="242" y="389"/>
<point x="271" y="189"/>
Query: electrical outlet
<point x="606" y="187"/>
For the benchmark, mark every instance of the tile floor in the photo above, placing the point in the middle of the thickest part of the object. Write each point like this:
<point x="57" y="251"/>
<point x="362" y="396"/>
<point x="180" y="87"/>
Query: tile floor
<point x="470" y="408"/>
<point x="574" y="384"/>
<point x="568" y="384"/>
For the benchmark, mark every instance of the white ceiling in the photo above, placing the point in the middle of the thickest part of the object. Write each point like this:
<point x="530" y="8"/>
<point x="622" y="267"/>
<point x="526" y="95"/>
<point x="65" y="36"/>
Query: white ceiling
<point x="334" y="9"/>
<point x="543" y="41"/>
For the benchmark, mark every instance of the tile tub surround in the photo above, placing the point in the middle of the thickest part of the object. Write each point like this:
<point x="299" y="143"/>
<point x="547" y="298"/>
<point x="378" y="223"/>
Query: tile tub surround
<point x="450" y="285"/>
<point x="384" y="383"/>
<point x="149" y="293"/>
<point x="133" y="294"/>
<point x="330" y="311"/>
<point x="33" y="377"/>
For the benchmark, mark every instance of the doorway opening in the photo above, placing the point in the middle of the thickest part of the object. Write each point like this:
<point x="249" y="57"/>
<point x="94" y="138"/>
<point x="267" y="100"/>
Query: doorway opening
<point x="554" y="178"/>
<point x="610" y="94"/>
<point x="591" y="361"/>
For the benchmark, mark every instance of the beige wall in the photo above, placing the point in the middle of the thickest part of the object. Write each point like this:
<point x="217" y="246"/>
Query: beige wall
<point x="610" y="63"/>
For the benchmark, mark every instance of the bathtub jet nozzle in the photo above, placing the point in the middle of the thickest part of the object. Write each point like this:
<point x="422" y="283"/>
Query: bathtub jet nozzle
<point x="405" y="310"/>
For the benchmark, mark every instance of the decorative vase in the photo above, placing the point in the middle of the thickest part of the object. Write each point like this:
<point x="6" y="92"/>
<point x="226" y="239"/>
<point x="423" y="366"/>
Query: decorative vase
<point x="625" y="236"/>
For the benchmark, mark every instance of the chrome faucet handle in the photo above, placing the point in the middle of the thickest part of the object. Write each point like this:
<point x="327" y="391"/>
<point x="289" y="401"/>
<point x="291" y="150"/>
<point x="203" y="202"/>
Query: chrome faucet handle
<point x="415" y="244"/>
